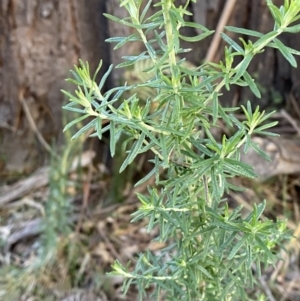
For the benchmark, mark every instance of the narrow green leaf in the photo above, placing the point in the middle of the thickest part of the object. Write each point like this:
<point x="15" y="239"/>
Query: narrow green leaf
<point x="129" y="24"/>
<point x="201" y="147"/>
<point x="197" y="38"/>
<point x="260" y="209"/>
<point x="158" y="38"/>
<point x="145" y="10"/>
<point x="264" y="40"/>
<point x="276" y="13"/>
<point x="112" y="141"/>
<point x="78" y="80"/>
<point x="70" y="107"/>
<point x="248" y="112"/>
<point x="258" y="268"/>
<point x="247" y="143"/>
<point x="126" y="285"/>
<point x="244" y="31"/>
<point x="215" y="107"/>
<point x="99" y="127"/>
<point x="72" y="97"/>
<point x="285" y="52"/>
<point x="229" y="240"/>
<point x="211" y="137"/>
<point x="227" y="81"/>
<point x="252" y="85"/>
<point x="260" y="151"/>
<point x="232" y="43"/>
<point x="113" y="18"/>
<point x="203" y="270"/>
<point x="75" y="121"/>
<point x="158" y="65"/>
<point x="215" y="186"/>
<point x="270" y="134"/>
<point x="233" y="141"/>
<point x="151" y="50"/>
<point x="265" y="126"/>
<point x="104" y="130"/>
<point x="91" y="124"/>
<point x="196" y="25"/>
<point x="136" y="58"/>
<point x="105" y="76"/>
<point x="213" y="147"/>
<point x="266" y="116"/>
<point x="293" y="29"/>
<point x="242" y="67"/>
<point x="131" y="60"/>
<point x="133" y="152"/>
<point x="225" y="117"/>
<point x="226" y="226"/>
<point x="146" y="178"/>
<point x="264" y="247"/>
<point x="291" y="50"/>
<point x="165" y="152"/>
<point x="122" y="41"/>
<point x="237" y="168"/>
<point x="237" y="246"/>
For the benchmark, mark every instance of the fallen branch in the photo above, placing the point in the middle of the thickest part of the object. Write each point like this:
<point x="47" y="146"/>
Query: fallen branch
<point x="39" y="179"/>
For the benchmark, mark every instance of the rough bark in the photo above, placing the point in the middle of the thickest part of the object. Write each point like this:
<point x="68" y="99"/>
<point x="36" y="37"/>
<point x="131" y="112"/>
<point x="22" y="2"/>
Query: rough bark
<point x="40" y="41"/>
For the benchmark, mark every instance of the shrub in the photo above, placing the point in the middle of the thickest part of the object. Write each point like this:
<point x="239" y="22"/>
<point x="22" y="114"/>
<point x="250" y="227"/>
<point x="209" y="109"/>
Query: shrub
<point x="212" y="251"/>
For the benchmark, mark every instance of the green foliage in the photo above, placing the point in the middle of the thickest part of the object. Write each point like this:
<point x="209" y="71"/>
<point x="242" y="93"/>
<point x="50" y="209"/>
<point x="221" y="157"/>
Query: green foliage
<point x="212" y="251"/>
<point x="58" y="249"/>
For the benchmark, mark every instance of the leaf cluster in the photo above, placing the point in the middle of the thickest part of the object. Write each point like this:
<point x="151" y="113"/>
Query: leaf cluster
<point x="212" y="249"/>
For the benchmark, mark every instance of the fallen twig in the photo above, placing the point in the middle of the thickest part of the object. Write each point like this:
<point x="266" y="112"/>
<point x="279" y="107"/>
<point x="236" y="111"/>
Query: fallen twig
<point x="291" y="120"/>
<point x="39" y="179"/>
<point x="216" y="39"/>
<point x="32" y="124"/>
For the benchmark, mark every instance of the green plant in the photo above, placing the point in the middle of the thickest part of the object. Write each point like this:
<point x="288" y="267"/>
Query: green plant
<point x="55" y="263"/>
<point x="212" y="251"/>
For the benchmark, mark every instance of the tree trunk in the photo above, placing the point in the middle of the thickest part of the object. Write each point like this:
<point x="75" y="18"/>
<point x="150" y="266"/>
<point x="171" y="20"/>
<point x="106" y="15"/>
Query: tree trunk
<point x="40" y="41"/>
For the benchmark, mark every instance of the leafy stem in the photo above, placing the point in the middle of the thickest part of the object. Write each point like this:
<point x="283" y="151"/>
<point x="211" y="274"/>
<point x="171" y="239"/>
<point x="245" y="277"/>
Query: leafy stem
<point x="171" y="40"/>
<point x="210" y="248"/>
